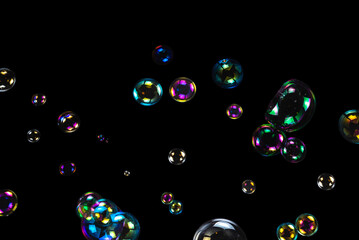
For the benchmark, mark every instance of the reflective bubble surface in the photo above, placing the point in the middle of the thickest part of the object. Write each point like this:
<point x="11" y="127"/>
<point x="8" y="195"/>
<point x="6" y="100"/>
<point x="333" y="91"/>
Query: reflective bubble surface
<point x="182" y="89"/>
<point x="8" y="202"/>
<point x="7" y="79"/>
<point x="84" y="204"/>
<point x="92" y="231"/>
<point x="68" y="122"/>
<point x="267" y="140"/>
<point x="162" y="55"/>
<point x="227" y="73"/>
<point x="349" y="126"/>
<point x="177" y="156"/>
<point x="38" y="99"/>
<point x="147" y="91"/>
<point x="167" y="198"/>
<point x="294" y="150"/>
<point x="102" y="210"/>
<point x="33" y="136"/>
<point x="248" y="186"/>
<point x="286" y="231"/>
<point x="234" y="111"/>
<point x="219" y="229"/>
<point x="292" y="107"/>
<point x="131" y="227"/>
<point x="176" y="207"/>
<point x="326" y="181"/>
<point x="67" y="168"/>
<point x="306" y="224"/>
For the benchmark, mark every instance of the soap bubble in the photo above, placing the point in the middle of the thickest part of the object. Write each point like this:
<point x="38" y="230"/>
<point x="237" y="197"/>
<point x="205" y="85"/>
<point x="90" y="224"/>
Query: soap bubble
<point x="38" y="99"/>
<point x="177" y="156"/>
<point x="326" y="181"/>
<point x="7" y="79"/>
<point x="306" y="224"/>
<point x="131" y="226"/>
<point x="167" y="198"/>
<point x="93" y="231"/>
<point x="127" y="173"/>
<point x="84" y="204"/>
<point x="248" y="186"/>
<point x="176" y="207"/>
<point x="234" y="111"/>
<point x="349" y="126"/>
<point x="33" y="136"/>
<point x="67" y="168"/>
<point x="286" y="231"/>
<point x="219" y="229"/>
<point x="102" y="210"/>
<point x="267" y="140"/>
<point x="294" y="150"/>
<point x="68" y="122"/>
<point x="227" y="73"/>
<point x="8" y="202"/>
<point x="147" y="91"/>
<point x="162" y="55"/>
<point x="292" y="107"/>
<point x="182" y="89"/>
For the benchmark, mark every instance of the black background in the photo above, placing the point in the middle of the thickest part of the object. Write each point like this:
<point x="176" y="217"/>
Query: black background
<point x="93" y="72"/>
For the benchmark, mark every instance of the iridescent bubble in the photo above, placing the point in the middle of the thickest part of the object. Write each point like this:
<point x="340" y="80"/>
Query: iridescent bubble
<point x="68" y="122"/>
<point x="219" y="229"/>
<point x="294" y="150"/>
<point x="38" y="99"/>
<point x="306" y="224"/>
<point x="227" y="73"/>
<point x="100" y="137"/>
<point x="7" y="79"/>
<point x="33" y="136"/>
<point x="182" y="89"/>
<point x="234" y="111"/>
<point x="286" y="231"/>
<point x="127" y="173"/>
<point x="84" y="204"/>
<point x="177" y="156"/>
<point x="292" y="107"/>
<point x="326" y="181"/>
<point x="176" y="207"/>
<point x="349" y="126"/>
<point x="147" y="91"/>
<point x="162" y="55"/>
<point x="102" y="210"/>
<point x="167" y="198"/>
<point x="93" y="231"/>
<point x="248" y="186"/>
<point x="67" y="168"/>
<point x="268" y="140"/>
<point x="131" y="226"/>
<point x="8" y="202"/>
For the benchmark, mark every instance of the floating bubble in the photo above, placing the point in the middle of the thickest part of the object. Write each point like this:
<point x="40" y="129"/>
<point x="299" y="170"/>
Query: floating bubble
<point x="292" y="107"/>
<point x="162" y="55"/>
<point x="102" y="210"/>
<point x="176" y="207"/>
<point x="67" y="168"/>
<point x="93" y="231"/>
<point x="33" y="136"/>
<point x="219" y="229"/>
<point x="349" y="126"/>
<point x="248" y="186"/>
<point x="227" y="73"/>
<point x="306" y="224"/>
<point x="8" y="202"/>
<point x="177" y="156"/>
<point x="38" y="99"/>
<point x="234" y="111"/>
<point x="182" y="89"/>
<point x="127" y="173"/>
<point x="100" y="137"/>
<point x="147" y="91"/>
<point x="131" y="226"/>
<point x="294" y="150"/>
<point x="7" y="79"/>
<point x="84" y="204"/>
<point x="268" y="140"/>
<point x="68" y="122"/>
<point x="286" y="231"/>
<point x="167" y="198"/>
<point x="326" y="181"/>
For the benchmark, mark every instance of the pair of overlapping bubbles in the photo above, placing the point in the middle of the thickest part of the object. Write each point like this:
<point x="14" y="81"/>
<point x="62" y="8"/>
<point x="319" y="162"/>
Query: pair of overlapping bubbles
<point x="102" y="219"/>
<point x="290" y="110"/>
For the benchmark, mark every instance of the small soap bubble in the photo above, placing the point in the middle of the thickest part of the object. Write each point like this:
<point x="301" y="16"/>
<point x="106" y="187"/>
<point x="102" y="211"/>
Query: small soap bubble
<point x="248" y="186"/>
<point x="286" y="231"/>
<point x="147" y="91"/>
<point x="234" y="111"/>
<point x="349" y="126"/>
<point x="127" y="173"/>
<point x="8" y="202"/>
<point x="68" y="122"/>
<point x="38" y="99"/>
<point x="182" y="89"/>
<point x="227" y="73"/>
<point x="268" y="140"/>
<point x="326" y="181"/>
<point x="177" y="156"/>
<point x="306" y="224"/>
<point x="67" y="168"/>
<point x="33" y="136"/>
<point x="176" y="207"/>
<point x="294" y="150"/>
<point x="7" y="79"/>
<point x="162" y="55"/>
<point x="167" y="198"/>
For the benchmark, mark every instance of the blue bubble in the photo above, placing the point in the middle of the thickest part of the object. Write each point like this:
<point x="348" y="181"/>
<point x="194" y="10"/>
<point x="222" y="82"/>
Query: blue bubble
<point x="227" y="73"/>
<point x="147" y="91"/>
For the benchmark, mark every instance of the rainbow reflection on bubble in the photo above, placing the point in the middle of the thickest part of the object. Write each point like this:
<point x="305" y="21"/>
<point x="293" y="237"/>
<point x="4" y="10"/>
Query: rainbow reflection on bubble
<point x="349" y="126"/>
<point x="234" y="111"/>
<point x="267" y="140"/>
<point x="306" y="224"/>
<point x="147" y="91"/>
<point x="162" y="55"/>
<point x="67" y="168"/>
<point x="68" y="122"/>
<point x="227" y="73"/>
<point x="8" y="202"/>
<point x="294" y="150"/>
<point x="286" y="231"/>
<point x="182" y="89"/>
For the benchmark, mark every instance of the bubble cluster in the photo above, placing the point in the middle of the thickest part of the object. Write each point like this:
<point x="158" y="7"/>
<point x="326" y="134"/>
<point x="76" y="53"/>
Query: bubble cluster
<point x="7" y="79"/>
<point x="8" y="202"/>
<point x="268" y="140"/>
<point x="162" y="55"/>
<point x="227" y="73"/>
<point x="68" y="122"/>
<point x="234" y="111"/>
<point x="248" y="186"/>
<point x="67" y="168"/>
<point x="306" y="224"/>
<point x="182" y="89"/>
<point x="38" y="99"/>
<point x="286" y="231"/>
<point x="294" y="150"/>
<point x="177" y="156"/>
<point x="147" y="91"/>
<point x="33" y="136"/>
<point x="326" y="181"/>
<point x="349" y="126"/>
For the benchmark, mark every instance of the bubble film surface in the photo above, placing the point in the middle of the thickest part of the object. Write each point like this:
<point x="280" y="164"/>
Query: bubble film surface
<point x="267" y="140"/>
<point x="92" y="231"/>
<point x="131" y="227"/>
<point x="8" y="202"/>
<point x="292" y="107"/>
<point x="176" y="207"/>
<point x="234" y="111"/>
<point x="147" y="91"/>
<point x="162" y="55"/>
<point x="182" y="89"/>
<point x="167" y="198"/>
<point x="38" y="99"/>
<point x="349" y="126"/>
<point x="219" y="229"/>
<point x="306" y="224"/>
<point x="294" y="150"/>
<point x="84" y="204"/>
<point x="326" y="181"/>
<point x="67" y="168"/>
<point x="7" y="79"/>
<point x="248" y="186"/>
<point x="286" y="231"/>
<point x="227" y="73"/>
<point x="68" y="122"/>
<point x="102" y="210"/>
<point x="177" y="156"/>
<point x="33" y="136"/>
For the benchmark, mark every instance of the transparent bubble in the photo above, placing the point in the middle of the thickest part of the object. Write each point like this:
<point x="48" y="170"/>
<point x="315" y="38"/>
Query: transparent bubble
<point x="38" y="99"/>
<point x="127" y="173"/>
<point x="286" y="231"/>
<point x="84" y="204"/>
<point x="248" y="186"/>
<point x="131" y="226"/>
<point x="176" y="207"/>
<point x="7" y="79"/>
<point x="8" y="202"/>
<point x="267" y="140"/>
<point x="234" y="111"/>
<point x="162" y="55"/>
<point x="67" y="168"/>
<point x="182" y="89"/>
<point x="102" y="210"/>
<point x="68" y="122"/>
<point x="219" y="229"/>
<point x="349" y="126"/>
<point x="93" y="231"/>
<point x="294" y="150"/>
<point x="33" y="136"/>
<point x="227" y="73"/>
<point x="326" y="181"/>
<point x="177" y="156"/>
<point x="292" y="107"/>
<point x="147" y="91"/>
<point x="306" y="224"/>
<point x="167" y="198"/>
